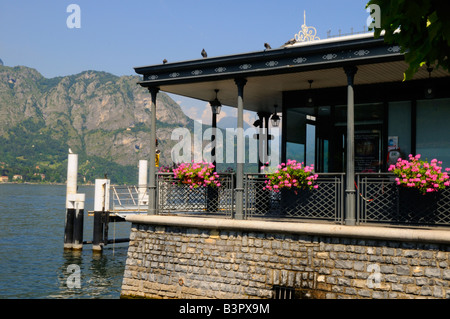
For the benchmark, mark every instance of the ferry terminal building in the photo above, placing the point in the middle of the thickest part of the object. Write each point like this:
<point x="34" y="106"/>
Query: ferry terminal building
<point x="342" y="102"/>
<point x="343" y="106"/>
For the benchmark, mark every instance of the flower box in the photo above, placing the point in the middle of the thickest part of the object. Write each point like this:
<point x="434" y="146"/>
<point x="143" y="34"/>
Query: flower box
<point x="197" y="175"/>
<point x="419" y="186"/>
<point x="295" y="202"/>
<point x="421" y="175"/>
<point x="291" y="175"/>
<point x="415" y="207"/>
<point x="294" y="181"/>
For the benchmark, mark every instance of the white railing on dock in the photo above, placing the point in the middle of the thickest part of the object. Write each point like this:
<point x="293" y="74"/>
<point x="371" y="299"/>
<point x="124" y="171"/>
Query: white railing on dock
<point x="132" y="199"/>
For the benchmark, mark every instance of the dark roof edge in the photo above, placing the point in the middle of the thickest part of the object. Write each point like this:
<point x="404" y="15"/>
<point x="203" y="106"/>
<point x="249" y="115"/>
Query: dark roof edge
<point x="265" y="54"/>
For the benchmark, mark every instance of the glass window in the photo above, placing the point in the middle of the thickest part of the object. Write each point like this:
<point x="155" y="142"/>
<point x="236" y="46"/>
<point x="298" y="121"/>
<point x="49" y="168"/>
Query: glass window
<point x="399" y="131"/>
<point x="310" y="144"/>
<point x="296" y="135"/>
<point x="433" y="130"/>
<point x="301" y="135"/>
<point x="295" y="151"/>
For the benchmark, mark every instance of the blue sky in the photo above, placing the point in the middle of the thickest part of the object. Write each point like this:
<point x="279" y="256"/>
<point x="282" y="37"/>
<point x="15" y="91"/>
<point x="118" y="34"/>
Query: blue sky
<point x="116" y="36"/>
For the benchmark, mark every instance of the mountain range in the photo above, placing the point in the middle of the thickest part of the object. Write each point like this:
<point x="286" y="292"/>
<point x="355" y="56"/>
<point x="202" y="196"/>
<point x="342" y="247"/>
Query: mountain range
<point x="104" y="118"/>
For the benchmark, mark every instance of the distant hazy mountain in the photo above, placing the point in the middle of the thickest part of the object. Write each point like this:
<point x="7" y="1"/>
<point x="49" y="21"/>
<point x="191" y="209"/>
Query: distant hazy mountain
<point x="230" y="122"/>
<point x="102" y="117"/>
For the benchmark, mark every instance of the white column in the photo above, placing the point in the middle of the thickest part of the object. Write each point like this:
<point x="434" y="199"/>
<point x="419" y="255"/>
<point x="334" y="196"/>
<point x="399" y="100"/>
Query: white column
<point x="142" y="182"/>
<point x="102" y="195"/>
<point x="72" y="172"/>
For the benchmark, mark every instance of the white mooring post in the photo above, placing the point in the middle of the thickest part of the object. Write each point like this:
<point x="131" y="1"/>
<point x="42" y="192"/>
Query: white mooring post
<point x="101" y="200"/>
<point x="142" y="183"/>
<point x="101" y="211"/>
<point x="73" y="231"/>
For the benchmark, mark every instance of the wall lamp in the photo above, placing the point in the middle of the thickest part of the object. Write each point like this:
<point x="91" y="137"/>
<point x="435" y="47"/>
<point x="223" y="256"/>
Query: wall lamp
<point x="215" y="104"/>
<point x="275" y="119"/>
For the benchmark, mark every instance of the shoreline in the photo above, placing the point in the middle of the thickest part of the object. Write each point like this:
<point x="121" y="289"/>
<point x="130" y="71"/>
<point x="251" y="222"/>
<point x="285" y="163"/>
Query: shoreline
<point x="31" y="183"/>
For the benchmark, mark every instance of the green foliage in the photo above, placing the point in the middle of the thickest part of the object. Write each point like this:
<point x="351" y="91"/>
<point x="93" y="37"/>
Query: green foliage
<point x="46" y="85"/>
<point x="425" y="31"/>
<point x="29" y="149"/>
<point x="93" y="167"/>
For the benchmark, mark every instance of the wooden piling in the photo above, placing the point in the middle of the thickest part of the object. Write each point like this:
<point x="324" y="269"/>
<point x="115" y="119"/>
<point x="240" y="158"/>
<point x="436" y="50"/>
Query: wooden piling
<point x="68" y="229"/>
<point x="101" y="208"/>
<point x="78" y="227"/>
<point x="97" y="240"/>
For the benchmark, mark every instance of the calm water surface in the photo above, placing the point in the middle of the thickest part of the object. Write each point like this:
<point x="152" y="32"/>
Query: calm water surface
<point x="33" y="263"/>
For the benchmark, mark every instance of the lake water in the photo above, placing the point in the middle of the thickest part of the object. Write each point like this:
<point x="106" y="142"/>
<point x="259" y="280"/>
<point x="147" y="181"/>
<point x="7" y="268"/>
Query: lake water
<point x="33" y="263"/>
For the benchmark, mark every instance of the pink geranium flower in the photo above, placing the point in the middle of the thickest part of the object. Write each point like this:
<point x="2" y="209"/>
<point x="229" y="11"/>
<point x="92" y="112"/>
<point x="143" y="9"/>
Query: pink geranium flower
<point x="426" y="177"/>
<point x="197" y="174"/>
<point x="291" y="175"/>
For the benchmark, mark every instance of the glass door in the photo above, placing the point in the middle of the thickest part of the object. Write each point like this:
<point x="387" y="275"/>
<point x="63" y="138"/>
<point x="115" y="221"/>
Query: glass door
<point x="307" y="139"/>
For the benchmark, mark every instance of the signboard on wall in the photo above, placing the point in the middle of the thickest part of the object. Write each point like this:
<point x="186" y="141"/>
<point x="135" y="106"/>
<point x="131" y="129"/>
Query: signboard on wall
<point x="393" y="143"/>
<point x="367" y="152"/>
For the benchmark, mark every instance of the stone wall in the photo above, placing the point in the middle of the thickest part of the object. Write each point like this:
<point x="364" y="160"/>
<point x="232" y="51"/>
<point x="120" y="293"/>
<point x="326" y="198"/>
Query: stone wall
<point x="190" y="262"/>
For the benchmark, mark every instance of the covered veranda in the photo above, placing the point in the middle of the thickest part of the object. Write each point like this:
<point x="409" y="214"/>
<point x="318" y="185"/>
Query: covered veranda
<point x="340" y="92"/>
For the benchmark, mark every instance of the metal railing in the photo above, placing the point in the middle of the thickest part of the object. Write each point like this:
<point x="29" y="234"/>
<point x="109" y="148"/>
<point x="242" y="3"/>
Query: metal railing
<point x="324" y="203"/>
<point x="174" y="197"/>
<point x="130" y="198"/>
<point x="380" y="200"/>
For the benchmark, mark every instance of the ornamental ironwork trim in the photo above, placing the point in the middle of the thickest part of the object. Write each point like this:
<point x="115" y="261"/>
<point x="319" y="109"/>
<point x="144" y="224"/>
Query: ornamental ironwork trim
<point x="306" y="34"/>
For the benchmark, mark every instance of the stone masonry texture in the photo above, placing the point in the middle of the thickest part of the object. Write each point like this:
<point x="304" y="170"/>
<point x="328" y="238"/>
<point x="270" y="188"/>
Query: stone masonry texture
<point x="178" y="262"/>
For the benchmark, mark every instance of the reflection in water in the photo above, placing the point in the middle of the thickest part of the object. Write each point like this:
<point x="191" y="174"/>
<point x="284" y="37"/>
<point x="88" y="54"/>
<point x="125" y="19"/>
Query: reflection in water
<point x="100" y="275"/>
<point x="33" y="263"/>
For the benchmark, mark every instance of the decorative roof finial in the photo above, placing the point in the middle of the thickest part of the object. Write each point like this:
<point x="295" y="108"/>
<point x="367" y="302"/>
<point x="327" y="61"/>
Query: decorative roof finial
<point x="306" y="34"/>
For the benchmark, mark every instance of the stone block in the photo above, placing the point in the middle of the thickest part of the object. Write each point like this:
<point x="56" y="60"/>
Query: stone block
<point x="433" y="272"/>
<point x="411" y="253"/>
<point x="365" y="293"/>
<point x="446" y="274"/>
<point x="402" y="270"/>
<point x="412" y="289"/>
<point x="387" y="269"/>
<point x="322" y="255"/>
<point x="343" y="264"/>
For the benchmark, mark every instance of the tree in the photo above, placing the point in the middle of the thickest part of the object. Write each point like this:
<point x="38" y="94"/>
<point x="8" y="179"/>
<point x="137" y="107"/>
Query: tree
<point x="424" y="31"/>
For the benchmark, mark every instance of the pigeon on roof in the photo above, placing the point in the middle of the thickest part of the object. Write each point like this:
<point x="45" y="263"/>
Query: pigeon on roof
<point x="165" y="61"/>
<point x="204" y="54"/>
<point x="267" y="46"/>
<point x="291" y="41"/>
